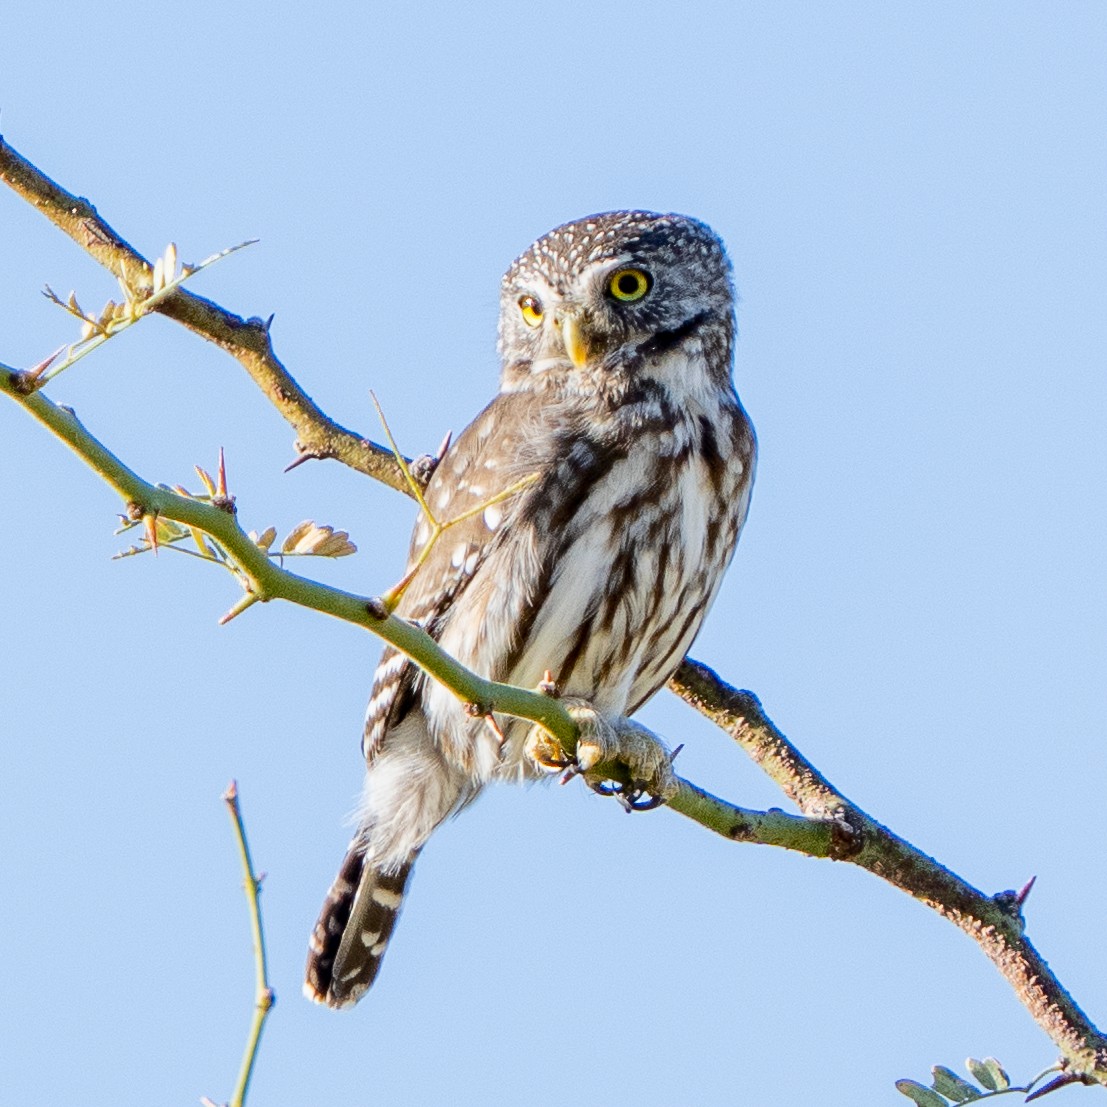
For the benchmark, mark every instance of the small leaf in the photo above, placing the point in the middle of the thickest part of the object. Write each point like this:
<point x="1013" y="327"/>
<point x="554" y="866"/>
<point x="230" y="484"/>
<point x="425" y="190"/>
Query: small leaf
<point x="205" y="476"/>
<point x="335" y="544"/>
<point x="982" y="1073"/>
<point x="264" y="540"/>
<point x="949" y="1084"/>
<point x="1003" y="1081"/>
<point x="320" y="541"/>
<point x="294" y="536"/>
<point x="923" y="1096"/>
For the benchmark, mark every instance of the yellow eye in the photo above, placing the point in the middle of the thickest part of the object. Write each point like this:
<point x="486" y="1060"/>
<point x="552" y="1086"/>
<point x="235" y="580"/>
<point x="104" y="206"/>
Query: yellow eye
<point x="629" y="285"/>
<point x="531" y="307"/>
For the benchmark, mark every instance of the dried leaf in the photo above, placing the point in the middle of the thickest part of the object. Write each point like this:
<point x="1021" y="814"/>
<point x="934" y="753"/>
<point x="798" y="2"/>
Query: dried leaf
<point x="264" y="540"/>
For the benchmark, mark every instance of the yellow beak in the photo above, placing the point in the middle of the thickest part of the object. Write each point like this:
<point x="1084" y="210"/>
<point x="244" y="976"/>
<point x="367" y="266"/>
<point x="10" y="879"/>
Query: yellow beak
<point x="573" y="339"/>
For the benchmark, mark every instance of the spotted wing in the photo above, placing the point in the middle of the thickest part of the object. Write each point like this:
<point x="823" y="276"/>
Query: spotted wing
<point x="468" y="476"/>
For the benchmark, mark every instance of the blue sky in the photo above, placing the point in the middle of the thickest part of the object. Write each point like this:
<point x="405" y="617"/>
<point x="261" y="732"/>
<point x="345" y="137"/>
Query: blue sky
<point x="913" y="197"/>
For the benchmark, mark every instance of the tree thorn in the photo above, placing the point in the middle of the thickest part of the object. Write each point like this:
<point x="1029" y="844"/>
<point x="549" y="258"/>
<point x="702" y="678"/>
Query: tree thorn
<point x="247" y="600"/>
<point x="494" y="726"/>
<point x="300" y="459"/>
<point x="36" y="371"/>
<point x="1056" y="1084"/>
<point x="547" y="686"/>
<point x="150" y="523"/>
<point x="1024" y="891"/>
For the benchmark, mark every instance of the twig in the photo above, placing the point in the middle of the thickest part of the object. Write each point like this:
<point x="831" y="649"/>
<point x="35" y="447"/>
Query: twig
<point x="264" y="996"/>
<point x="246" y="340"/>
<point x="995" y="922"/>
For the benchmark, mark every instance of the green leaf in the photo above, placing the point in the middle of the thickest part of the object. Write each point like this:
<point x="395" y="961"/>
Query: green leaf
<point x="983" y="1073"/>
<point x="949" y="1084"/>
<point x="1003" y="1081"/>
<point x="923" y="1096"/>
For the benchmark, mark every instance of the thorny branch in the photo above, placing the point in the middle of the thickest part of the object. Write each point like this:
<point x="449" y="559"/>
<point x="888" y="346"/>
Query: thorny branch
<point x="830" y="826"/>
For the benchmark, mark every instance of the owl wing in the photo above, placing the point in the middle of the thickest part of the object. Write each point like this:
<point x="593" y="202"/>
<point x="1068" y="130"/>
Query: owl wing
<point x="466" y="477"/>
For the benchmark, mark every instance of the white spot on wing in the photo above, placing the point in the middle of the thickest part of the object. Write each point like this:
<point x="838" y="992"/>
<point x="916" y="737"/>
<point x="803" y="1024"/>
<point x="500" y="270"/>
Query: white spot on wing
<point x="493" y="516"/>
<point x="386" y="897"/>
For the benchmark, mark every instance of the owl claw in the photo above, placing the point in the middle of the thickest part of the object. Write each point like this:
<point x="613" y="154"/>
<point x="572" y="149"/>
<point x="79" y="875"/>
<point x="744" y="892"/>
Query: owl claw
<point x="628" y="795"/>
<point x="604" y="742"/>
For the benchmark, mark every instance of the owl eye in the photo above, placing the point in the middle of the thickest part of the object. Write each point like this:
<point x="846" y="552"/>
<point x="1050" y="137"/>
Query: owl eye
<point x="629" y="285"/>
<point x="531" y="307"/>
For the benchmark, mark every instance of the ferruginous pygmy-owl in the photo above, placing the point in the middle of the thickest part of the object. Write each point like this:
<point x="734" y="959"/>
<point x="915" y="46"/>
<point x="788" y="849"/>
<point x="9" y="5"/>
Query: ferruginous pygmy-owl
<point x="617" y="336"/>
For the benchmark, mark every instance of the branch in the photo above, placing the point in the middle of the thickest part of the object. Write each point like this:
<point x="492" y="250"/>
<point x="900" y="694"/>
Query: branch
<point x="265" y="580"/>
<point x="264" y="996"/>
<point x="831" y="826"/>
<point x="246" y="340"/>
<point x="995" y="922"/>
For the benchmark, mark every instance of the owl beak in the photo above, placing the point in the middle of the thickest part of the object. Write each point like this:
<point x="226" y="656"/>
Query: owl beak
<point x="573" y="337"/>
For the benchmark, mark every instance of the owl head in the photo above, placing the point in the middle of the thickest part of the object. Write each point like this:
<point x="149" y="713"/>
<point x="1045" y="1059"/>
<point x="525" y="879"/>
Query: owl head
<point x="606" y="298"/>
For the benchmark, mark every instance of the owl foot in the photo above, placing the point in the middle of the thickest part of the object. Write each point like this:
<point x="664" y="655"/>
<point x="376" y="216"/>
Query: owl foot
<point x="616" y="757"/>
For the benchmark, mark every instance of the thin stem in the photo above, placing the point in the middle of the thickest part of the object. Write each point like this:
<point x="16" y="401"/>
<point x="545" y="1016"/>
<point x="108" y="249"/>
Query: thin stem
<point x="264" y="995"/>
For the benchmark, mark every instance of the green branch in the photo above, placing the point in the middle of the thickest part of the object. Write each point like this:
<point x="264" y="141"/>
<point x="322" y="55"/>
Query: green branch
<point x="264" y="996"/>
<point x="265" y="580"/>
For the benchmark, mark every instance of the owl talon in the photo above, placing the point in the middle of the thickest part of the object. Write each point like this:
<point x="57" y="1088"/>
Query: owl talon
<point x="603" y="742"/>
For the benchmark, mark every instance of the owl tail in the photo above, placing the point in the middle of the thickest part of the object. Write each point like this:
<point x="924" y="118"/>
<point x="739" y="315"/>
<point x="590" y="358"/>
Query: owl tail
<point x="354" y="928"/>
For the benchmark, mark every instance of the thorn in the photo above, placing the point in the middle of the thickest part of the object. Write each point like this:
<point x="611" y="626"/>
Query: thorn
<point x="36" y="371"/>
<point x="268" y="322"/>
<point x="1024" y="891"/>
<point x="150" y="522"/>
<point x="248" y="600"/>
<point x="221" y="487"/>
<point x="301" y="458"/>
<point x="673" y="755"/>
<point x="231" y="794"/>
<point x="547" y="686"/>
<point x="1055" y="1084"/>
<point x="490" y="719"/>
<point x="445" y="444"/>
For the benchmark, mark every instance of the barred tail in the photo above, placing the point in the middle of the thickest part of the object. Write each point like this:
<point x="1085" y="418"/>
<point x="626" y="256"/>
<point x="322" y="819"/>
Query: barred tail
<point x="354" y="927"/>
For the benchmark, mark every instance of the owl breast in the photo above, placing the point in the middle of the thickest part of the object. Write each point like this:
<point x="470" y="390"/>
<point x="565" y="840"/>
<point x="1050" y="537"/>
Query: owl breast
<point x="608" y="593"/>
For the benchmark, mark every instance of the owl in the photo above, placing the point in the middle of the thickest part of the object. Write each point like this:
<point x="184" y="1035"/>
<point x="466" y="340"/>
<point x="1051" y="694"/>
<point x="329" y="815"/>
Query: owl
<point x="632" y="460"/>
